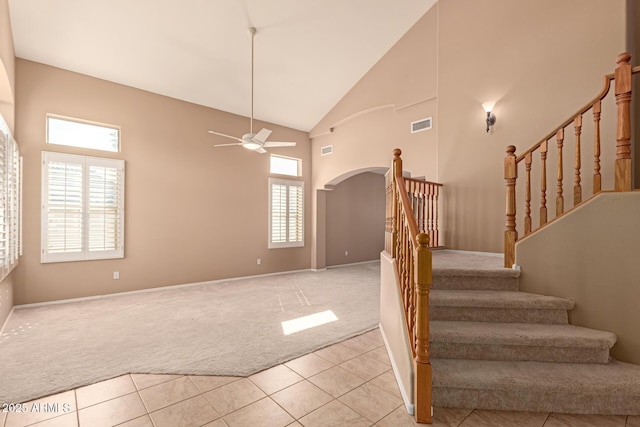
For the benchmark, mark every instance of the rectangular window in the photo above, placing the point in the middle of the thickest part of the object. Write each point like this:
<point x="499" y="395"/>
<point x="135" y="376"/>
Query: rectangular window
<point x="83" y="134"/>
<point x="286" y="219"/>
<point x="83" y="208"/>
<point x="285" y="165"/>
<point x="9" y="204"/>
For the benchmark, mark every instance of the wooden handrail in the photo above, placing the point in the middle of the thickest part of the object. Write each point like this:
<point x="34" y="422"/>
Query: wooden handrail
<point x="410" y="247"/>
<point x="623" y="163"/>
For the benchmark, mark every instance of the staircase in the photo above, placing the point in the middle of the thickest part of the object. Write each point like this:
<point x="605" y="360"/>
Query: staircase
<point x="494" y="347"/>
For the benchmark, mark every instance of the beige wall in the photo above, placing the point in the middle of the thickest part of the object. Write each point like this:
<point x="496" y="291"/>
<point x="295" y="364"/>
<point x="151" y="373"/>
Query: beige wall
<point x="355" y="216"/>
<point x="7" y="90"/>
<point x="540" y="62"/>
<point x="591" y="257"/>
<point x="193" y="212"/>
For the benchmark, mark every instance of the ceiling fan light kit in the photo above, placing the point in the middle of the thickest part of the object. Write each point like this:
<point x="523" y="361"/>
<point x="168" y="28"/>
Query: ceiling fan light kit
<point x="258" y="141"/>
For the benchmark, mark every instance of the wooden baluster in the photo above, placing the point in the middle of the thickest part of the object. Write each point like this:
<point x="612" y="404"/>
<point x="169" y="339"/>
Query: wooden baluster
<point x="623" y="145"/>
<point x="423" y="373"/>
<point x="527" y="196"/>
<point x="559" y="197"/>
<point x="510" y="234"/>
<point x="597" y="178"/>
<point x="543" y="183"/>
<point x="436" y="228"/>
<point x="577" y="187"/>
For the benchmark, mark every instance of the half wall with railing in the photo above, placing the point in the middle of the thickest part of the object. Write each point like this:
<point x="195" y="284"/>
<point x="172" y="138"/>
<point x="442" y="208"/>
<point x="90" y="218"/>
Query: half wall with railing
<point x="543" y="150"/>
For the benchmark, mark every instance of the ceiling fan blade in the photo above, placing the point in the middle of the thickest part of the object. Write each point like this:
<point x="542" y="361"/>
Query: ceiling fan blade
<point x="225" y="135"/>
<point x="260" y="150"/>
<point x="262" y="135"/>
<point x="279" y="144"/>
<point x="228" y="145"/>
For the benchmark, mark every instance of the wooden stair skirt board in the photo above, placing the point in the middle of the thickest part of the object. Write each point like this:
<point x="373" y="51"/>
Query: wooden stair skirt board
<point x="494" y="347"/>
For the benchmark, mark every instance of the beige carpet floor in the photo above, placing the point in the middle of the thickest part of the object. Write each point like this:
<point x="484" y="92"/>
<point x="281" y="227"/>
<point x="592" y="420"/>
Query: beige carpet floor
<point x="222" y="328"/>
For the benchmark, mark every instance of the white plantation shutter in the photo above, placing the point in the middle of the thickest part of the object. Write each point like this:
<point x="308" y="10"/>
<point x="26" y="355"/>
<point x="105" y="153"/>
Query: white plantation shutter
<point x="9" y="204"/>
<point x="83" y="208"/>
<point x="286" y="201"/>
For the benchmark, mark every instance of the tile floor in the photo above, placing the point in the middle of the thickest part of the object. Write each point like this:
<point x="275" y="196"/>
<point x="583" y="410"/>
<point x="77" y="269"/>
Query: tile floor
<point x="347" y="384"/>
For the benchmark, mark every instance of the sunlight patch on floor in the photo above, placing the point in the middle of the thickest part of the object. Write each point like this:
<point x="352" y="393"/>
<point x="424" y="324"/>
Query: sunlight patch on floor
<point x="307" y="322"/>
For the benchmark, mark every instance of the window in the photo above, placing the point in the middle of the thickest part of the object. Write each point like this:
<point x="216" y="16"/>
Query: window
<point x="78" y="133"/>
<point x="83" y="208"/>
<point x="286" y="228"/>
<point x="9" y="203"/>
<point x="285" y="165"/>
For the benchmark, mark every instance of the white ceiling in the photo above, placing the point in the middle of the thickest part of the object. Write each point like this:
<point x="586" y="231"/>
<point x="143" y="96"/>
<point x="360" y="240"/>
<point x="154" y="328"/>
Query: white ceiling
<point x="308" y="53"/>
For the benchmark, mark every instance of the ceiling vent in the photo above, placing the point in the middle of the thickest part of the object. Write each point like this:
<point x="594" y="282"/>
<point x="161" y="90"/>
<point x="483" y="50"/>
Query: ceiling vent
<point x="420" y="125"/>
<point x="326" y="150"/>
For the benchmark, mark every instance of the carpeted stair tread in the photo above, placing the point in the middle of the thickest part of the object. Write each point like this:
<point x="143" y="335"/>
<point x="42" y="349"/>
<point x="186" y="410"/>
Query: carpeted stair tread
<point x="521" y="334"/>
<point x="592" y="379"/>
<point x="496" y="299"/>
<point x="612" y="388"/>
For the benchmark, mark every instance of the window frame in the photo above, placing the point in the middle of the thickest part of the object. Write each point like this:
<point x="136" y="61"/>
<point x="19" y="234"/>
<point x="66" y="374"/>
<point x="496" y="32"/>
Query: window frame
<point x="82" y="122"/>
<point x="288" y="243"/>
<point x="10" y="201"/>
<point x="298" y="161"/>
<point x="85" y="253"/>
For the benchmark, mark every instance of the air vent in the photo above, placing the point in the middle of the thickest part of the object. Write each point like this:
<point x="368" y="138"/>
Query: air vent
<point x="326" y="150"/>
<point x="420" y="125"/>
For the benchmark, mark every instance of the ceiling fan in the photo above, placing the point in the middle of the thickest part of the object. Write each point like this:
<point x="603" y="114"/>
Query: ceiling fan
<point x="258" y="141"/>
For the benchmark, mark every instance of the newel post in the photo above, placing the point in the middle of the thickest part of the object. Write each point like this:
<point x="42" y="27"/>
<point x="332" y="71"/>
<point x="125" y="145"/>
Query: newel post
<point x="510" y="233"/>
<point x="623" y="144"/>
<point x="423" y="375"/>
<point x="396" y="170"/>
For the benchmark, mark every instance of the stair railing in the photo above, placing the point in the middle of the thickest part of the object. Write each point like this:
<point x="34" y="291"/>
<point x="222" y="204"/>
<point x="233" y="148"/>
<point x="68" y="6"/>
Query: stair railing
<point x="405" y="241"/>
<point x="623" y="166"/>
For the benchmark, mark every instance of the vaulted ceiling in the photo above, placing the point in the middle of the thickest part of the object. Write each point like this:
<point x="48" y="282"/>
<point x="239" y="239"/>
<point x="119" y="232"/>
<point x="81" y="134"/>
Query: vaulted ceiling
<point x="308" y="53"/>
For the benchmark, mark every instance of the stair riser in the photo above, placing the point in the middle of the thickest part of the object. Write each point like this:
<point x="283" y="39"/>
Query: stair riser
<point x="448" y="350"/>
<point x="536" y="401"/>
<point x="503" y="315"/>
<point x="475" y="283"/>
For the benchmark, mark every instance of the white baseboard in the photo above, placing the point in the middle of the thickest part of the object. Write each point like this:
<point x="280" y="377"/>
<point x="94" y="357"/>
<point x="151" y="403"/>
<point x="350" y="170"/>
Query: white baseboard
<point x="354" y="263"/>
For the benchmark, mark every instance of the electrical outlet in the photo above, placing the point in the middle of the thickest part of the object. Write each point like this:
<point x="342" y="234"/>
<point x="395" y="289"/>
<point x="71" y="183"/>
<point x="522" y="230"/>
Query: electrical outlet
<point x="116" y="275"/>
<point x="259" y="261"/>
<point x="346" y="253"/>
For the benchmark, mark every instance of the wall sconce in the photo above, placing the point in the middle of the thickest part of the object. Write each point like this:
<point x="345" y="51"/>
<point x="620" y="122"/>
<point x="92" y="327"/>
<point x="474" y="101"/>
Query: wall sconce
<point x="491" y="118"/>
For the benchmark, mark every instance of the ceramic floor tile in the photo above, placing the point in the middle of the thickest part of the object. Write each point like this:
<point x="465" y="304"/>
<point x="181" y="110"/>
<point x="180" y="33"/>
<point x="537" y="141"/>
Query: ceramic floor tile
<point x="380" y="354"/>
<point x="275" y="379"/>
<point x="264" y="412"/>
<point x="309" y="365"/>
<point x="234" y="396"/>
<point x="633" y="421"/>
<point x="68" y="420"/>
<point x="388" y="383"/>
<point x="301" y="398"/>
<point x="295" y="424"/>
<point x="217" y="423"/>
<point x="337" y="353"/>
<point x="400" y="418"/>
<point x="365" y="367"/>
<point x="207" y="383"/>
<point x="195" y="411"/>
<point x="105" y="390"/>
<point x="168" y="393"/>
<point x="149" y="380"/>
<point x="371" y="402"/>
<point x="481" y="418"/>
<point x="143" y="421"/>
<point x="451" y="416"/>
<point x="336" y="381"/>
<point x="361" y="344"/>
<point x="112" y="412"/>
<point x="42" y="409"/>
<point x="570" y="420"/>
<point x="375" y="335"/>
<point x="332" y="414"/>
